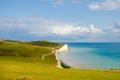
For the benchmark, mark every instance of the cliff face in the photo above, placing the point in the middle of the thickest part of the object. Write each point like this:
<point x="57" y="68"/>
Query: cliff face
<point x="63" y="48"/>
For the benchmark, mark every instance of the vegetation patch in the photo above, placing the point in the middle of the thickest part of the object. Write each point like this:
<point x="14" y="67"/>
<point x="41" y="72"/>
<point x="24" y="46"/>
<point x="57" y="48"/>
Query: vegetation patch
<point x="23" y="50"/>
<point x="45" y="43"/>
<point x="64" y="65"/>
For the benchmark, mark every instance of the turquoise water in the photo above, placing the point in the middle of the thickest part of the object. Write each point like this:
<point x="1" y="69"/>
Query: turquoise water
<point x="92" y="55"/>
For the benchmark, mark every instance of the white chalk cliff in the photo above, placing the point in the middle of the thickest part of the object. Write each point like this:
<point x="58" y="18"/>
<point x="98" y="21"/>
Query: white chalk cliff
<point x="62" y="49"/>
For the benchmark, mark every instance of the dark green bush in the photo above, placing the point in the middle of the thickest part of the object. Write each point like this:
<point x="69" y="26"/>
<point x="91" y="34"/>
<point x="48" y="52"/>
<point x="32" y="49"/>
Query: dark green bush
<point x="44" y="43"/>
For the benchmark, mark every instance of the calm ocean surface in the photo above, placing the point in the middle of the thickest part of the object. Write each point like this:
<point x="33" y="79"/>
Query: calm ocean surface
<point x="92" y="55"/>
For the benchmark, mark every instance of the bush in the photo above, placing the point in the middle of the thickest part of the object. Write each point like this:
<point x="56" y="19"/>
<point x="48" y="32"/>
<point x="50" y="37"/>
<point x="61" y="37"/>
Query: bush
<point x="44" y="43"/>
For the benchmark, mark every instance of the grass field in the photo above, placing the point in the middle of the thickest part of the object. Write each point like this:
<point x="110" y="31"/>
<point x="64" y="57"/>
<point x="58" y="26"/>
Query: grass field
<point x="12" y="68"/>
<point x="34" y="68"/>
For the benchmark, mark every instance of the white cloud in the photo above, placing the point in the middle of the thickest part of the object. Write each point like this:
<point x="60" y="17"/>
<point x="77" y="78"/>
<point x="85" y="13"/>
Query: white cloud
<point x="56" y="30"/>
<point x="92" y="29"/>
<point x="27" y="24"/>
<point x="105" y="5"/>
<point x="57" y="3"/>
<point x="68" y="29"/>
<point x="62" y="30"/>
<point x="65" y="29"/>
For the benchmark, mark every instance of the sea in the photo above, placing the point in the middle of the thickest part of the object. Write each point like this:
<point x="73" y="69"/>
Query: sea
<point x="92" y="55"/>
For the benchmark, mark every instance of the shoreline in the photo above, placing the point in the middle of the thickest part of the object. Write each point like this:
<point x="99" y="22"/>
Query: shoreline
<point x="61" y="64"/>
<point x="62" y="49"/>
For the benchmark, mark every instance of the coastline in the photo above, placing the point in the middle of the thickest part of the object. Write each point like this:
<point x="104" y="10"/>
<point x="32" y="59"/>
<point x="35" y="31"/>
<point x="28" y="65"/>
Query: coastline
<point x="62" y="49"/>
<point x="99" y="59"/>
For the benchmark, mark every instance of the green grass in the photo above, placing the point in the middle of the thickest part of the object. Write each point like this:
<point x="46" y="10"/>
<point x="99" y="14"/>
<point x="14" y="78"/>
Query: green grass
<point x="14" y="66"/>
<point x="22" y="49"/>
<point x="45" y="43"/>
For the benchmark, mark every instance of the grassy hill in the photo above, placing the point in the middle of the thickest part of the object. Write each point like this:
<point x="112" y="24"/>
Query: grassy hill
<point x="44" y="43"/>
<point x="23" y="50"/>
<point x="23" y="61"/>
<point x="33" y="50"/>
<point x="27" y="49"/>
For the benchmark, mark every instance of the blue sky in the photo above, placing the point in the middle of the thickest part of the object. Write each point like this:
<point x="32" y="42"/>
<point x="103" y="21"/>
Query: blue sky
<point x="60" y="20"/>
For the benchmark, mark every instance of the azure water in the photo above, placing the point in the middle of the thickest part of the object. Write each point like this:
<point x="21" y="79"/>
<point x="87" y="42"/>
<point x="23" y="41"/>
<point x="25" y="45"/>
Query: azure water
<point x="92" y="55"/>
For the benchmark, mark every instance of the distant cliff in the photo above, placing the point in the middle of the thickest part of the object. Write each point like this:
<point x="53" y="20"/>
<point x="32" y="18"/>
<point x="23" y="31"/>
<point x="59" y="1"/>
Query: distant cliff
<point x="63" y="48"/>
<point x="60" y="63"/>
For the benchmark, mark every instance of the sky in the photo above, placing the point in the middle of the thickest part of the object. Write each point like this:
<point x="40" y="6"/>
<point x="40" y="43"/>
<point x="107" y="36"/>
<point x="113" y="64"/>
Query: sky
<point x="60" y="20"/>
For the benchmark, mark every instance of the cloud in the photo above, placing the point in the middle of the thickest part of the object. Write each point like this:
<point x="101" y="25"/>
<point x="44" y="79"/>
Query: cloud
<point x="50" y="29"/>
<point x="27" y="23"/>
<point x="105" y="5"/>
<point x="57" y="3"/>
<point x="68" y="29"/>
